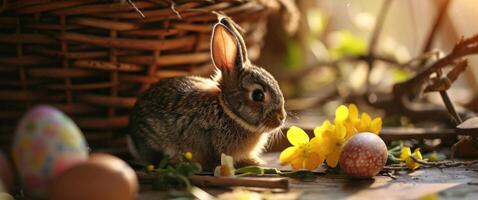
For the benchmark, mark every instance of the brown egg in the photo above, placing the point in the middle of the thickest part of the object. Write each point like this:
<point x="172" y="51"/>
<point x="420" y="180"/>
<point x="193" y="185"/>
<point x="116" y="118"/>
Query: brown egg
<point x="102" y="177"/>
<point x="363" y="155"/>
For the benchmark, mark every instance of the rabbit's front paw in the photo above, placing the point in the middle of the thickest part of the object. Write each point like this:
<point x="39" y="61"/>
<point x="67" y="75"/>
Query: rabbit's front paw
<point x="248" y="162"/>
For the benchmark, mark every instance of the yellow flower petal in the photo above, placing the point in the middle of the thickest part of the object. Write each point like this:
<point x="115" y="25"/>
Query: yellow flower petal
<point x="321" y="129"/>
<point x="333" y="159"/>
<point x="287" y="155"/>
<point x="316" y="145"/>
<point x="341" y="114"/>
<point x="313" y="161"/>
<point x="326" y="141"/>
<point x="376" y="125"/>
<point x="406" y="156"/>
<point x="411" y="164"/>
<point x="340" y="131"/>
<point x="351" y="130"/>
<point x="297" y="136"/>
<point x="406" y="152"/>
<point x="417" y="154"/>
<point x="353" y="112"/>
<point x="297" y="163"/>
<point x="364" y="122"/>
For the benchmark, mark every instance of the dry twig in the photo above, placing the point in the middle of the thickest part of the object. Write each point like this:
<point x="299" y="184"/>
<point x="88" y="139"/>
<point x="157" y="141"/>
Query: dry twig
<point x="436" y="24"/>
<point x="463" y="48"/>
<point x="445" y="163"/>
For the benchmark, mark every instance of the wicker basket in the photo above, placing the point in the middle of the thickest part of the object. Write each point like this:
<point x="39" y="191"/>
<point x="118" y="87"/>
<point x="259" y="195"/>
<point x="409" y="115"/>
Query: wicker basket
<point x="91" y="58"/>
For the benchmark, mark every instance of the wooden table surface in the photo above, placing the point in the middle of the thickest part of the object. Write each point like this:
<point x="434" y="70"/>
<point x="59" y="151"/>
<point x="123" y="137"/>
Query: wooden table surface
<point x="449" y="183"/>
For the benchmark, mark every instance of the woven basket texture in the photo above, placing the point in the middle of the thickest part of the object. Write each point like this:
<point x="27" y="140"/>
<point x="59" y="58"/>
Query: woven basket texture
<point x="92" y="58"/>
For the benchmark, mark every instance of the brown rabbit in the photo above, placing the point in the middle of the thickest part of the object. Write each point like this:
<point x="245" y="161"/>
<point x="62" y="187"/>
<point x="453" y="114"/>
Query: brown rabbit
<point x="234" y="112"/>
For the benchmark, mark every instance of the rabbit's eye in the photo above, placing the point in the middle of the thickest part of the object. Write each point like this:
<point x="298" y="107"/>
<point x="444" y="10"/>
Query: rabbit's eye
<point x="258" y="95"/>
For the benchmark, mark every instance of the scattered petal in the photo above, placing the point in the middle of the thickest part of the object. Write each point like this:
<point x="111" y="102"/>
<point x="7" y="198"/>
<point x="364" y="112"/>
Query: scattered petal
<point x="406" y="156"/>
<point x="417" y="154"/>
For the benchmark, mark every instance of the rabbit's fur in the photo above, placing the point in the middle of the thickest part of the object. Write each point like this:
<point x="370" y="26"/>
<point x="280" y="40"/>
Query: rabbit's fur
<point x="210" y="116"/>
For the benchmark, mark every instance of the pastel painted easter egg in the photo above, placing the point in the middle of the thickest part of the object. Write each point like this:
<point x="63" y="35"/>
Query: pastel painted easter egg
<point x="363" y="155"/>
<point x="102" y="177"/>
<point x="7" y="175"/>
<point x="46" y="143"/>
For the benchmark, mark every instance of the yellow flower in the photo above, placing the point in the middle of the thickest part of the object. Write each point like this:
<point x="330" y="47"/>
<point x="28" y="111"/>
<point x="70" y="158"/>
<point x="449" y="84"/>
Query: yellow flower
<point x="188" y="155"/>
<point x="433" y="157"/>
<point x="331" y="139"/>
<point x="369" y="125"/>
<point x="406" y="155"/>
<point x="355" y="124"/>
<point x="150" y="168"/>
<point x="303" y="153"/>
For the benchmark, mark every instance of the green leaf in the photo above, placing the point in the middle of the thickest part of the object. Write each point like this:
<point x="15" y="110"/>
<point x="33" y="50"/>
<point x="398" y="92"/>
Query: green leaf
<point x="396" y="148"/>
<point x="271" y="170"/>
<point x="251" y="170"/>
<point x="391" y="159"/>
<point x="187" y="169"/>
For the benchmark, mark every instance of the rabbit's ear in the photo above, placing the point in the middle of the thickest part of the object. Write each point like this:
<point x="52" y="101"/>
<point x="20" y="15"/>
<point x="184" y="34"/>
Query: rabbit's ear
<point x="226" y="48"/>
<point x="226" y="21"/>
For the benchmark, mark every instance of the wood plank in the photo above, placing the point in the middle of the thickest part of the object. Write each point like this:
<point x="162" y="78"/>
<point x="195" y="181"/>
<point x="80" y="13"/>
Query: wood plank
<point x="407" y="185"/>
<point x="468" y="127"/>
<point x="214" y="181"/>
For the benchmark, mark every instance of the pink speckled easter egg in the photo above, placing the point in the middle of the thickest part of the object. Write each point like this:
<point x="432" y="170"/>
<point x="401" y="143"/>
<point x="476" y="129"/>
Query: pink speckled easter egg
<point x="46" y="143"/>
<point x="363" y="155"/>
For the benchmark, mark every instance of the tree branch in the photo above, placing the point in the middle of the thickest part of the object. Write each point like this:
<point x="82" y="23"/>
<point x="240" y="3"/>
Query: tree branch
<point x="375" y="35"/>
<point x="378" y="27"/>
<point x="436" y="24"/>
<point x="463" y="48"/>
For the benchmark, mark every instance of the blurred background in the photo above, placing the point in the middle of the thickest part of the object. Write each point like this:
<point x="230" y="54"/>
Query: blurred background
<point x="92" y="59"/>
<point x="324" y="63"/>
